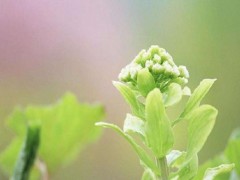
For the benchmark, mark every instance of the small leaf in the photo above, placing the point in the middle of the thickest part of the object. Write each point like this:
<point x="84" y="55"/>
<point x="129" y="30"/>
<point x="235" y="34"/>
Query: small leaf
<point x="173" y="94"/>
<point x="195" y="99"/>
<point x="216" y="161"/>
<point x="138" y="149"/>
<point x="131" y="99"/>
<point x="159" y="133"/>
<point x="188" y="169"/>
<point x="211" y="173"/>
<point x="145" y="81"/>
<point x="28" y="153"/>
<point x="232" y="151"/>
<point x="197" y="96"/>
<point x="134" y="124"/>
<point x="148" y="175"/>
<point x="186" y="91"/>
<point x="201" y="124"/>
<point x="173" y="156"/>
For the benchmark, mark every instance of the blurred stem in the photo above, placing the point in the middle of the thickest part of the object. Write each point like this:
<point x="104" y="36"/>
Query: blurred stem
<point x="162" y="164"/>
<point x="43" y="169"/>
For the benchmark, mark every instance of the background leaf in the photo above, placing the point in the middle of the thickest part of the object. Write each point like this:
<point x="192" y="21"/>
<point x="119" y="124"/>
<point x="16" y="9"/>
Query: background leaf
<point x="232" y="151"/>
<point x="211" y="173"/>
<point x="28" y="153"/>
<point x="67" y="127"/>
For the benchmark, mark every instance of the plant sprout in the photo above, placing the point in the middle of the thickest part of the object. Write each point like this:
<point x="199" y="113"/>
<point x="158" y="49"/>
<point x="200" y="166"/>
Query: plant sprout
<point x="150" y="84"/>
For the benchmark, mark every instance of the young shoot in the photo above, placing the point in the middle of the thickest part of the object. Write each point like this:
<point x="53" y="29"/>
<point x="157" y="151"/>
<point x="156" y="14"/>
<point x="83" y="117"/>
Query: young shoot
<point x="150" y="84"/>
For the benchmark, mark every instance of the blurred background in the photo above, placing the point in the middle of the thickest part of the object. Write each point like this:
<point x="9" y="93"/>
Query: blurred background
<point x="50" y="47"/>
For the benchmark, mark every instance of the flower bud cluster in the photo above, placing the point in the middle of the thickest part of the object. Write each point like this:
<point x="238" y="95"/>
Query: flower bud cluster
<point x="160" y="64"/>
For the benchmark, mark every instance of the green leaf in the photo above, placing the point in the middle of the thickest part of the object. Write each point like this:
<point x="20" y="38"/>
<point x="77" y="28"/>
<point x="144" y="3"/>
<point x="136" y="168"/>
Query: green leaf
<point x="134" y="124"/>
<point x="148" y="175"/>
<point x="211" y="173"/>
<point x="138" y="149"/>
<point x="67" y="127"/>
<point x="201" y="124"/>
<point x="216" y="161"/>
<point x="136" y="107"/>
<point x="28" y="153"/>
<point x="188" y="169"/>
<point x="145" y="82"/>
<point x="172" y="95"/>
<point x="196" y="98"/>
<point x="158" y="131"/>
<point x="173" y="156"/>
<point x="232" y="151"/>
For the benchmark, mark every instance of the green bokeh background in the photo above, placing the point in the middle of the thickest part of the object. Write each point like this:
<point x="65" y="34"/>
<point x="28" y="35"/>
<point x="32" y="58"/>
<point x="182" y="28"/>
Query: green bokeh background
<point x="50" y="47"/>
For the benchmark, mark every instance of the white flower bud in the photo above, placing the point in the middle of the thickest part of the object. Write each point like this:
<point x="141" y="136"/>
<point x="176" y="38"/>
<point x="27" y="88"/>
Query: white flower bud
<point x="168" y="68"/>
<point x="124" y="74"/>
<point x="183" y="71"/>
<point x="157" y="58"/>
<point x="149" y="64"/>
<point x="157" y="68"/>
<point x="176" y="71"/>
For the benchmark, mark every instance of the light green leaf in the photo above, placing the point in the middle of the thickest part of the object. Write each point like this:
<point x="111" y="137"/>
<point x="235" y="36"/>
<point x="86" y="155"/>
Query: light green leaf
<point x="136" y="107"/>
<point x="232" y="151"/>
<point x="67" y="127"/>
<point x="138" y="149"/>
<point x="173" y="156"/>
<point x="145" y="82"/>
<point x="158" y="131"/>
<point x="186" y="91"/>
<point x="196" y="98"/>
<point x="201" y="124"/>
<point x="211" y="173"/>
<point x="148" y="175"/>
<point x="134" y="124"/>
<point x="28" y="153"/>
<point x="172" y="95"/>
<point x="216" y="161"/>
<point x="188" y="169"/>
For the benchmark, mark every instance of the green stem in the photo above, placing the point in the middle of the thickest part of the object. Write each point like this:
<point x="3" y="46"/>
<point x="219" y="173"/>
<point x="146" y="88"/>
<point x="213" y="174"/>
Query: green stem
<point x="162" y="164"/>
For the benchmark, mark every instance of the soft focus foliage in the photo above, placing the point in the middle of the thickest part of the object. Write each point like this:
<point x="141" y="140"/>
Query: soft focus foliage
<point x="67" y="127"/>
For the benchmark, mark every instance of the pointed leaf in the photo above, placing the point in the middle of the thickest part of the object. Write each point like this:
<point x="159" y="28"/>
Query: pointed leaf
<point x="131" y="99"/>
<point x="211" y="173"/>
<point x="145" y="81"/>
<point x="173" y="94"/>
<point x="134" y="124"/>
<point x="197" y="96"/>
<point x="138" y="149"/>
<point x="201" y="124"/>
<point x="159" y="133"/>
